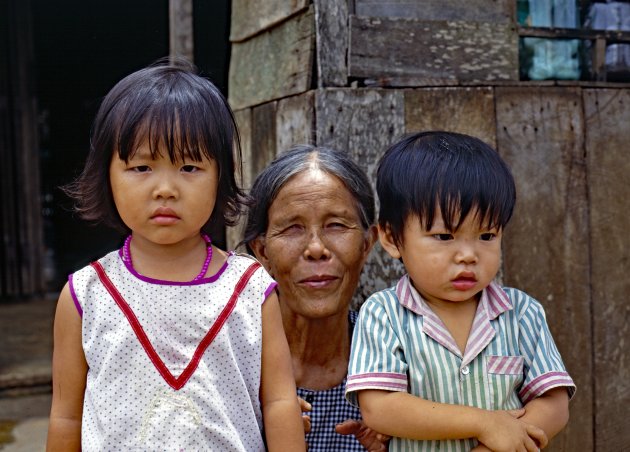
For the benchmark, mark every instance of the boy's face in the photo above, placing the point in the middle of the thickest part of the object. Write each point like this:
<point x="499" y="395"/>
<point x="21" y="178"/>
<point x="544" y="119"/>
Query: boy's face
<point x="447" y="267"/>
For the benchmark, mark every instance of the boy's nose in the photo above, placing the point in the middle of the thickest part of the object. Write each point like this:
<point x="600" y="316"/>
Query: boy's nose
<point x="466" y="254"/>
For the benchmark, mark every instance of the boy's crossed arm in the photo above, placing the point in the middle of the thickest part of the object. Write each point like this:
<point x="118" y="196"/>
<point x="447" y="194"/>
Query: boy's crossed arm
<point x="407" y="416"/>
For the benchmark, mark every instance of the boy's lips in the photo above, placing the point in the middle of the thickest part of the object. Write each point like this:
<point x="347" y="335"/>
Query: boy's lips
<point x="464" y="281"/>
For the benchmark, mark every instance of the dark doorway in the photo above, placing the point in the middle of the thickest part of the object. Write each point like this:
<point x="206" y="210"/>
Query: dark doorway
<point x="82" y="48"/>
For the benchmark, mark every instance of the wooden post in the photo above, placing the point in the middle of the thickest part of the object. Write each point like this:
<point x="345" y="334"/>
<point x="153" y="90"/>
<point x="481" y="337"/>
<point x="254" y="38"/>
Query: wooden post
<point x="181" y="29"/>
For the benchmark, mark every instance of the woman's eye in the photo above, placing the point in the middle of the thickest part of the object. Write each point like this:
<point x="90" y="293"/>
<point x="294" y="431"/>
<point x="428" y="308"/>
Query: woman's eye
<point x="336" y="226"/>
<point x="488" y="236"/>
<point x="189" y="168"/>
<point x="443" y="237"/>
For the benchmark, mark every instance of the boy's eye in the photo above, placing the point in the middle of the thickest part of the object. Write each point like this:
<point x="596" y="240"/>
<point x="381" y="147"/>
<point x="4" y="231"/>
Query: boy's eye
<point x="488" y="236"/>
<point x="189" y="168"/>
<point x="443" y="237"/>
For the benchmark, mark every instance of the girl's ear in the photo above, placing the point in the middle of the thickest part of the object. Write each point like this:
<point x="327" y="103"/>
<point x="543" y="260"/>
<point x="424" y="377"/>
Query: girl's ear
<point x="387" y="241"/>
<point x="258" y="247"/>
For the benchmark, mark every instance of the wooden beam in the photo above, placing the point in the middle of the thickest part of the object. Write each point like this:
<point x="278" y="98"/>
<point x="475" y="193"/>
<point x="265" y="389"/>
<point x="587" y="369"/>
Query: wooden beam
<point x="251" y="17"/>
<point x="415" y="51"/>
<point x="181" y="41"/>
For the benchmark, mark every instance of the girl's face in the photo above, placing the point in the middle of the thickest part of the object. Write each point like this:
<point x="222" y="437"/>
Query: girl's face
<point x="447" y="267"/>
<point x="161" y="201"/>
<point x="315" y="245"/>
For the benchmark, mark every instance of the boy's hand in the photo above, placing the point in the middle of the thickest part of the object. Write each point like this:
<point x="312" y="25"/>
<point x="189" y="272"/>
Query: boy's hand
<point x="371" y="440"/>
<point x="504" y="432"/>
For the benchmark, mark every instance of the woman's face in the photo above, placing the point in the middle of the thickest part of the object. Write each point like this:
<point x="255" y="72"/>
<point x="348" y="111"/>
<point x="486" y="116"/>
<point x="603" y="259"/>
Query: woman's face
<point x="315" y="246"/>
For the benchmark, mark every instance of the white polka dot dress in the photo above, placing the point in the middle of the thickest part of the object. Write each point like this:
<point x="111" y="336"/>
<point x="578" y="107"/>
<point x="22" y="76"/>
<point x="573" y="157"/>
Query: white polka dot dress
<point x="157" y="378"/>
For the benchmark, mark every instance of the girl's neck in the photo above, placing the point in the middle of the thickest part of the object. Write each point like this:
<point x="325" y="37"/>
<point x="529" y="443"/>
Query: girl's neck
<point x="187" y="260"/>
<point x="320" y="349"/>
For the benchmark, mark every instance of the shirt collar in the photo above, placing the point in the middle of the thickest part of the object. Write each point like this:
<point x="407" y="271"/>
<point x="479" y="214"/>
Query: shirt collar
<point x="493" y="299"/>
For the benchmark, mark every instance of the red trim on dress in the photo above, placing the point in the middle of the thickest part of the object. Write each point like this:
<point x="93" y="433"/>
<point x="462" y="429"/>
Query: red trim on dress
<point x="179" y="382"/>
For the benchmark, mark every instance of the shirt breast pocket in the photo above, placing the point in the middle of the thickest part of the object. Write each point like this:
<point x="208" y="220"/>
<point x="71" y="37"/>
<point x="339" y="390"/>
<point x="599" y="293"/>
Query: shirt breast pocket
<point x="505" y="377"/>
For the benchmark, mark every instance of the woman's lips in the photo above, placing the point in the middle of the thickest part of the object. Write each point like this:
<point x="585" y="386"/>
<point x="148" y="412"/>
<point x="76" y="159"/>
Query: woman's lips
<point x="318" y="282"/>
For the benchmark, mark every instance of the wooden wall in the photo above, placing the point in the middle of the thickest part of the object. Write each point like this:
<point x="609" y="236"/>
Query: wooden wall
<point x="395" y="67"/>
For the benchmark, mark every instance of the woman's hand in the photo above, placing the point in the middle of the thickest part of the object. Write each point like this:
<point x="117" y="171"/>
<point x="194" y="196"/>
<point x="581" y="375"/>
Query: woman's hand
<point x="306" y="419"/>
<point x="371" y="440"/>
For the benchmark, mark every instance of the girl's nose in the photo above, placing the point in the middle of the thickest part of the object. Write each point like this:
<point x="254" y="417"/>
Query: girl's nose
<point x="316" y="248"/>
<point x="165" y="187"/>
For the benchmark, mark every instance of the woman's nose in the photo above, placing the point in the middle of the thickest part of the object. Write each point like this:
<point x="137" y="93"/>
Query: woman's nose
<point x="316" y="248"/>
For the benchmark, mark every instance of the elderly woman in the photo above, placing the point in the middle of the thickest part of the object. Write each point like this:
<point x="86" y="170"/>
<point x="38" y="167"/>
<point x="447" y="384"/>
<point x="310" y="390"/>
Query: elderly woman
<point x="311" y="225"/>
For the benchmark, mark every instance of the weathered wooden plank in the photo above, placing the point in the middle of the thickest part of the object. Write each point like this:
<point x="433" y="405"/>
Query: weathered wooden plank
<point x="331" y="23"/>
<point x="264" y="147"/>
<point x="546" y="252"/>
<point x="497" y="11"/>
<point x="408" y="52"/>
<point x="275" y="64"/>
<point x="363" y="123"/>
<point x="463" y="110"/>
<point x="250" y="17"/>
<point x="607" y="114"/>
<point x="295" y="121"/>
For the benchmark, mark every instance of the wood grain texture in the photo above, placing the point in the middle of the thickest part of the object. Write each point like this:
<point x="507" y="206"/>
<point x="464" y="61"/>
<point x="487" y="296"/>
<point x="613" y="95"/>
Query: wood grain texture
<point x="546" y="253"/>
<point x="295" y="121"/>
<point x="331" y="23"/>
<point x="497" y="11"/>
<point x="275" y="64"/>
<point x="364" y="123"/>
<point x="462" y="110"/>
<point x="250" y="17"/>
<point x="607" y="115"/>
<point x="414" y="51"/>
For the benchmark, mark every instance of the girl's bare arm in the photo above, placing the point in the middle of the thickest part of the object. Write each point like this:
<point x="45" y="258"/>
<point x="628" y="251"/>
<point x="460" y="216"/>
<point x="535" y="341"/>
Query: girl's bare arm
<point x="281" y="413"/>
<point x="69" y="374"/>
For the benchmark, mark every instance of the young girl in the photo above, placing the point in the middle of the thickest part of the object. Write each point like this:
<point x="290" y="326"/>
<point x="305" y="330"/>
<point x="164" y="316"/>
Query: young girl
<point x="168" y="343"/>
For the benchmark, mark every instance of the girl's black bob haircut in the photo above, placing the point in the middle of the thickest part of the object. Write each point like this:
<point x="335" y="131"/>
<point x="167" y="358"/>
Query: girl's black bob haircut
<point x="456" y="173"/>
<point x="176" y="110"/>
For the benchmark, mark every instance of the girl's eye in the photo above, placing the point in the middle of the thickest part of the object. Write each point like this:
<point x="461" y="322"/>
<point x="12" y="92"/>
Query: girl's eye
<point x="488" y="236"/>
<point x="443" y="237"/>
<point x="189" y="168"/>
<point x="141" y="169"/>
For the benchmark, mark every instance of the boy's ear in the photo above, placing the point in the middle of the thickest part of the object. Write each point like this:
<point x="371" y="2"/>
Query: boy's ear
<point x="387" y="241"/>
<point x="258" y="247"/>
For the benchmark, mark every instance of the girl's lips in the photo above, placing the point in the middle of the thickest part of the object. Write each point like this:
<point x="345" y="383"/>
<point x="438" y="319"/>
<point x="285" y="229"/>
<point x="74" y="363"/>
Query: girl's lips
<point x="164" y="216"/>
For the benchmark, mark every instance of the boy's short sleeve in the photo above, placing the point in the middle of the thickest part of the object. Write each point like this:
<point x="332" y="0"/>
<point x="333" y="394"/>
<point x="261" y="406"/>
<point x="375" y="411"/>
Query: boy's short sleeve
<point x="377" y="359"/>
<point x="544" y="369"/>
